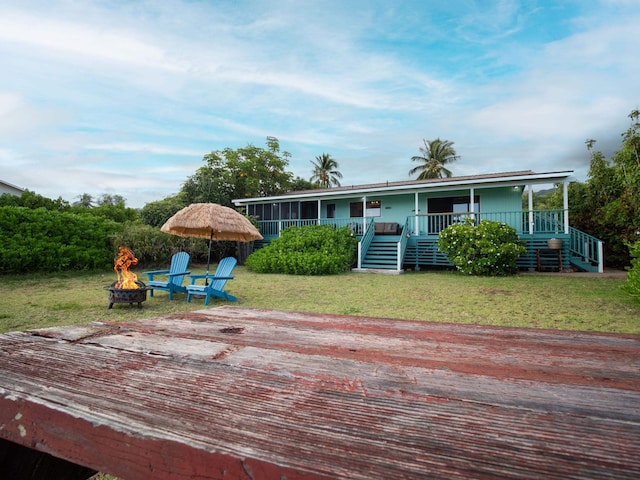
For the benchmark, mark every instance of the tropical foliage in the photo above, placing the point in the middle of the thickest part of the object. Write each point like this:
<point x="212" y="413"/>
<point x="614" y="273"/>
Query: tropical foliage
<point x="435" y="156"/>
<point x="607" y="205"/>
<point x="241" y="173"/>
<point x="49" y="240"/>
<point x="632" y="286"/>
<point x="308" y="250"/>
<point x="325" y="171"/>
<point x="489" y="248"/>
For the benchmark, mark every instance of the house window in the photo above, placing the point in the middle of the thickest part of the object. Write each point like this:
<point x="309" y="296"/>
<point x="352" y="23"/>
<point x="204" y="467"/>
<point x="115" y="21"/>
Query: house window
<point x="374" y="209"/>
<point x="331" y="210"/>
<point x="355" y="209"/>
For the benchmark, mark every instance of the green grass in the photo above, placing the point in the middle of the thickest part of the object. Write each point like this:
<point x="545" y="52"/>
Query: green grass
<point x="538" y="301"/>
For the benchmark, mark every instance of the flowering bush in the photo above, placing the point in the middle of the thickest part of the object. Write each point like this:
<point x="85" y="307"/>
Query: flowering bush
<point x="490" y="248"/>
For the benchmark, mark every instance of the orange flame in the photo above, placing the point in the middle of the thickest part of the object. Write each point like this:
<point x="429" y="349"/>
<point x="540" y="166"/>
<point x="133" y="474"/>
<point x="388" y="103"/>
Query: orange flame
<point x="126" y="278"/>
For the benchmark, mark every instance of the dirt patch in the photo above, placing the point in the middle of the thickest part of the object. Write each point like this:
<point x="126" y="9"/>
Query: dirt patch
<point x="494" y="291"/>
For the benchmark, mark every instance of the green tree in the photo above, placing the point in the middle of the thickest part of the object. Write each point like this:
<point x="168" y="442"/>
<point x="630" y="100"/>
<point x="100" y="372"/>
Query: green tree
<point x="298" y="184"/>
<point x="85" y="200"/>
<point x="156" y="213"/>
<point x="241" y="173"/>
<point x="607" y="205"/>
<point x="31" y="199"/>
<point x="325" y="171"/>
<point x="434" y="158"/>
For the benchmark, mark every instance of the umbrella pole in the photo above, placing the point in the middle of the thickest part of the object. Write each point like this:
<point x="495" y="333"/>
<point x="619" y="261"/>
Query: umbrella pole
<point x="206" y="282"/>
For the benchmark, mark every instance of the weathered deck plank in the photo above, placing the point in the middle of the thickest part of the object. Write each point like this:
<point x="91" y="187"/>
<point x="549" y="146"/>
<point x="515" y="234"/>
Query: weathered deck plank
<point x="246" y="393"/>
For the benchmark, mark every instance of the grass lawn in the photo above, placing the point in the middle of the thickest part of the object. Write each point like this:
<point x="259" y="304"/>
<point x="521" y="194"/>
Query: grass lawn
<point x="539" y="301"/>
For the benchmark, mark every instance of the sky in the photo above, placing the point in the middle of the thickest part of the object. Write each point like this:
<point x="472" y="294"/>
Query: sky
<point x="125" y="97"/>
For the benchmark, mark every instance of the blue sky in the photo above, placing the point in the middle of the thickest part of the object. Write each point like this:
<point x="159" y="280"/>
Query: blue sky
<point x="125" y="97"/>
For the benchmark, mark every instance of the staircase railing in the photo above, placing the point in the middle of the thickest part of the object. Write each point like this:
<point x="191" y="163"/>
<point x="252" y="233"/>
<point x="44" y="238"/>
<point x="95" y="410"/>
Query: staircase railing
<point x="402" y="244"/>
<point x="585" y="250"/>
<point x="365" y="241"/>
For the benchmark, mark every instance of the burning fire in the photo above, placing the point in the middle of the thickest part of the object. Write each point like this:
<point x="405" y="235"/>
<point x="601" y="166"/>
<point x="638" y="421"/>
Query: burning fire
<point x="121" y="264"/>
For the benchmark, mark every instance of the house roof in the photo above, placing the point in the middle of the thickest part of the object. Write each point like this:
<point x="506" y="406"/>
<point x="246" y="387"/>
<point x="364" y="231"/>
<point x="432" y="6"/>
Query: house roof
<point x="523" y="177"/>
<point x="6" y="187"/>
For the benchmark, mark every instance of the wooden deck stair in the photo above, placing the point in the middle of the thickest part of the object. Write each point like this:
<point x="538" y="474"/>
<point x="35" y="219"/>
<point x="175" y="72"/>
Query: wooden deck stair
<point x="382" y="253"/>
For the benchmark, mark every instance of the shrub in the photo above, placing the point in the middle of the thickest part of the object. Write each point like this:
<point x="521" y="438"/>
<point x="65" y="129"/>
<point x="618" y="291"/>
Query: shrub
<point x="632" y="286"/>
<point x="155" y="248"/>
<point x="490" y="248"/>
<point x="309" y="250"/>
<point x="48" y="240"/>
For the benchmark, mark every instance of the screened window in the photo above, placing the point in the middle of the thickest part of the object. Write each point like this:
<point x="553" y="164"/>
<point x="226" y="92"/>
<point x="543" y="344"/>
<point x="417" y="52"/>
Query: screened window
<point x="331" y="210"/>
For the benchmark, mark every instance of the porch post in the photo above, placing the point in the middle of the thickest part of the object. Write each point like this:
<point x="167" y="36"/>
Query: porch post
<point x="319" y="211"/>
<point x="530" y="194"/>
<point x="472" y="206"/>
<point x="416" y="224"/>
<point x="364" y="214"/>
<point x="565" y="205"/>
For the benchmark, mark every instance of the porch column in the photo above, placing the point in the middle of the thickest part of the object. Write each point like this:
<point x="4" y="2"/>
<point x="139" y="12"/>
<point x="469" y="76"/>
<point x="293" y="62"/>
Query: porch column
<point x="364" y="214"/>
<point x="472" y="203"/>
<point x="319" y="211"/>
<point x="416" y="223"/>
<point x="530" y="194"/>
<point x="565" y="205"/>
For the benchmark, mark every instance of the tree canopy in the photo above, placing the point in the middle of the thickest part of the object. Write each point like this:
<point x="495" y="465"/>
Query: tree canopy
<point x="435" y="156"/>
<point x="325" y="171"/>
<point x="607" y="205"/>
<point x="241" y="173"/>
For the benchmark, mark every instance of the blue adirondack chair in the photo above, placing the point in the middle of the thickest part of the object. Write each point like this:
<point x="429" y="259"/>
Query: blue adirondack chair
<point x="214" y="283"/>
<point x="172" y="278"/>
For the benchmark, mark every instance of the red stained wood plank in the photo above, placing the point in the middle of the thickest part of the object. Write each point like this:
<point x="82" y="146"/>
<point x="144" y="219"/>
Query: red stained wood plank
<point x="247" y="393"/>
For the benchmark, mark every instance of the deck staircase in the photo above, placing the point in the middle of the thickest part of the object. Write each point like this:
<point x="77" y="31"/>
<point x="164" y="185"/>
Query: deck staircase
<point x="382" y="253"/>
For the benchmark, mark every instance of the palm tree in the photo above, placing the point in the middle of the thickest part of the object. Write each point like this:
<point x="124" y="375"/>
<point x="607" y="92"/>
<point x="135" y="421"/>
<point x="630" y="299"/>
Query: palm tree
<point x="325" y="171"/>
<point x="436" y="154"/>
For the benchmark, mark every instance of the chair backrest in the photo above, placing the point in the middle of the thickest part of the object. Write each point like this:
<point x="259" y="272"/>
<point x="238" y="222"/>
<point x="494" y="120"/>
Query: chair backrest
<point x="225" y="267"/>
<point x="179" y="263"/>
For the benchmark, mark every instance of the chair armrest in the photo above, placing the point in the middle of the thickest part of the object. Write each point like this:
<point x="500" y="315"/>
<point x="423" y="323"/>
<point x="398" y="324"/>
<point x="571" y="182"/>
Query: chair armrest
<point x="157" y="272"/>
<point x="178" y="274"/>
<point x="151" y="273"/>
<point x="208" y="277"/>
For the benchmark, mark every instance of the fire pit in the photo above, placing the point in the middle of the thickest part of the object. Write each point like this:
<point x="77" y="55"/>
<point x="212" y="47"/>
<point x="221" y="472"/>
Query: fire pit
<point x="127" y="289"/>
<point x="127" y="295"/>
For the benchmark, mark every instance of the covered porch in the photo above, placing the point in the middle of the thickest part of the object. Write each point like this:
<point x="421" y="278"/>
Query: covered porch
<point x="415" y="246"/>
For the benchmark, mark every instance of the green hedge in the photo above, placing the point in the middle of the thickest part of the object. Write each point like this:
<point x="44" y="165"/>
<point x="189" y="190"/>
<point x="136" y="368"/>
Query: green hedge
<point x="44" y="240"/>
<point x="309" y="250"/>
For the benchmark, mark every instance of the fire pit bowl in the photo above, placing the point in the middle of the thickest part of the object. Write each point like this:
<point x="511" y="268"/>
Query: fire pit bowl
<point x="127" y="295"/>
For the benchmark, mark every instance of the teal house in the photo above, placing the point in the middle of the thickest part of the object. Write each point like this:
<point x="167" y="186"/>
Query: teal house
<point x="398" y="223"/>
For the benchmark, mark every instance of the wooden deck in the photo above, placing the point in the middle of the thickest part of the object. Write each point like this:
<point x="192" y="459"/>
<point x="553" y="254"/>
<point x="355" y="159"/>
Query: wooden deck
<point x="233" y="392"/>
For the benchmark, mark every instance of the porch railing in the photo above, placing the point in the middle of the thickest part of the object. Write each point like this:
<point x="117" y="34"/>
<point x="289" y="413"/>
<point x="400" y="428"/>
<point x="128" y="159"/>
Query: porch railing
<point x="586" y="251"/>
<point x="365" y="241"/>
<point x="272" y="228"/>
<point x="402" y="244"/>
<point x="528" y="221"/>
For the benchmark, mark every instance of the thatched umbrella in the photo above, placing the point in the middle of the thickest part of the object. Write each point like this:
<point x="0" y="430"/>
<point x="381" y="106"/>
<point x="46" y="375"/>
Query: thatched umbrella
<point x="212" y="221"/>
